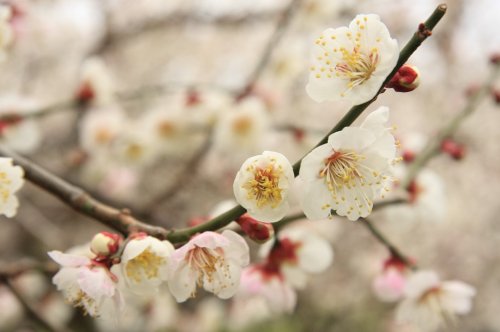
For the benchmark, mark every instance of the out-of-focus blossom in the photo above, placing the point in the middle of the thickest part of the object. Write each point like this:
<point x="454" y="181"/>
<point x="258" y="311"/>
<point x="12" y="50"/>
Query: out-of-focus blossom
<point x="11" y="180"/>
<point x="297" y="253"/>
<point x="144" y="263"/>
<point x="390" y="284"/>
<point x="134" y="147"/>
<point x="411" y="145"/>
<point x="96" y="85"/>
<point x="87" y="284"/>
<point x="348" y="172"/>
<point x="18" y="131"/>
<point x="119" y="182"/>
<point x="11" y="311"/>
<point x="6" y="32"/>
<point x="426" y="197"/>
<point x="243" y="128"/>
<point x="429" y="302"/>
<point x="209" y="260"/>
<point x="55" y="310"/>
<point x="351" y="63"/>
<point x="99" y="127"/>
<point x="262" y="186"/>
<point x="257" y="281"/>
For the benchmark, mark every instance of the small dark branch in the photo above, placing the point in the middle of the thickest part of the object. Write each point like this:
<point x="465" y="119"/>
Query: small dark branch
<point x="118" y="219"/>
<point x="434" y="145"/>
<point x="410" y="47"/>
<point x="114" y="37"/>
<point x="394" y="251"/>
<point x="278" y="33"/>
<point x="188" y="173"/>
<point x="29" y="309"/>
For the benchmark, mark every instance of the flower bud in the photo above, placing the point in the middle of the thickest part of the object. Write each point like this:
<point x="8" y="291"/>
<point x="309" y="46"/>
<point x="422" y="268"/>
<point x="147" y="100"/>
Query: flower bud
<point x="406" y="79"/>
<point x="453" y="148"/>
<point x="496" y="96"/>
<point x="258" y="231"/>
<point x="408" y="156"/>
<point x="495" y="58"/>
<point x="85" y="94"/>
<point x="105" y="244"/>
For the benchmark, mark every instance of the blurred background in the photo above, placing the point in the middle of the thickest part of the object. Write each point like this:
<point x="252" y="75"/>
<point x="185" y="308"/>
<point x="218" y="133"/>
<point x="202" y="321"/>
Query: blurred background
<point x="153" y="105"/>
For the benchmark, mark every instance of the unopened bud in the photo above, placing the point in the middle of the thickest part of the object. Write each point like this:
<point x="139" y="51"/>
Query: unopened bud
<point x="408" y="156"/>
<point x="85" y="94"/>
<point x="496" y="96"/>
<point x="105" y="244"/>
<point x="406" y="79"/>
<point x="453" y="148"/>
<point x="257" y="231"/>
<point x="495" y="58"/>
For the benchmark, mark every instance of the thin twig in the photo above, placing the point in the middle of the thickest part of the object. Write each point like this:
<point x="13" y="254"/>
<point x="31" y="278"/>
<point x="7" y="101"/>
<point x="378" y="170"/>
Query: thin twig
<point x="278" y="33"/>
<point x="13" y="269"/>
<point x="118" y="219"/>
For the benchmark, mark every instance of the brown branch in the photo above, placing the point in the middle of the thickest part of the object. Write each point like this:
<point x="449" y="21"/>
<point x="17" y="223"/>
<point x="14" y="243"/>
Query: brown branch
<point x="13" y="269"/>
<point x="118" y="219"/>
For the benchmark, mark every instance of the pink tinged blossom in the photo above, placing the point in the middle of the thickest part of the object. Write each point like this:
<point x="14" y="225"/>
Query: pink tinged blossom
<point x="389" y="286"/>
<point x="144" y="263"/>
<point x="351" y="63"/>
<point x="258" y="281"/>
<point x="346" y="174"/>
<point x="11" y="181"/>
<point x="86" y="284"/>
<point x="209" y="260"/>
<point x="430" y="303"/>
<point x="297" y="254"/>
<point x="262" y="186"/>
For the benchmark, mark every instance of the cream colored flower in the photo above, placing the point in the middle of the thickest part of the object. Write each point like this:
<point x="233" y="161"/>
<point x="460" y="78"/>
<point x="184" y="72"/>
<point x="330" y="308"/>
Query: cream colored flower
<point x="262" y="186"/>
<point x="11" y="180"/>
<point x="351" y="63"/>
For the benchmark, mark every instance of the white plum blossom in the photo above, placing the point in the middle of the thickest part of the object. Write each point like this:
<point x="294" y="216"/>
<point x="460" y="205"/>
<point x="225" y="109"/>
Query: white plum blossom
<point x="87" y="284"/>
<point x="298" y="253"/>
<point x="96" y="84"/>
<point x="99" y="127"/>
<point x="243" y="128"/>
<point x="351" y="170"/>
<point x="389" y="285"/>
<point x="209" y="260"/>
<point x="351" y="63"/>
<point x="429" y="302"/>
<point x="19" y="133"/>
<point x="11" y="180"/>
<point x="262" y="186"/>
<point x="144" y="263"/>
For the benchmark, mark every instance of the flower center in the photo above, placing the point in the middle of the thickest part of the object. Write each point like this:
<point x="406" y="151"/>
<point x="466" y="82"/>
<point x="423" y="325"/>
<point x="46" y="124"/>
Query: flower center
<point x="103" y="135"/>
<point x="356" y="66"/>
<point x="5" y="183"/>
<point x="134" y="151"/>
<point x="242" y="125"/>
<point x="206" y="261"/>
<point x="147" y="265"/>
<point x="341" y="169"/>
<point x="264" y="187"/>
<point x="83" y="301"/>
<point x="166" y="129"/>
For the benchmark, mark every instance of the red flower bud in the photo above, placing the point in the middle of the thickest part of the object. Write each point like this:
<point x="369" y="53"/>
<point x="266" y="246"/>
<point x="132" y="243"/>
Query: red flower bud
<point x="406" y="79"/>
<point x="85" y="93"/>
<point x="495" y="58"/>
<point x="453" y="148"/>
<point x="496" y="95"/>
<point x="258" y="231"/>
<point x="408" y="156"/>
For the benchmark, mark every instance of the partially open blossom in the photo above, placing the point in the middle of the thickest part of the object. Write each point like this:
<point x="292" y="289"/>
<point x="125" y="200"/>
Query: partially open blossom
<point x="11" y="180"/>
<point x="105" y="243"/>
<point x="95" y="83"/>
<point x="349" y="171"/>
<point x="262" y="186"/>
<point x="209" y="260"/>
<point x="406" y="79"/>
<point x="257" y="231"/>
<point x="144" y="262"/>
<point x="351" y="63"/>
<point x="429" y="302"/>
<point x="297" y="253"/>
<point x="258" y="282"/>
<point x="390" y="284"/>
<point x="87" y="284"/>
